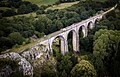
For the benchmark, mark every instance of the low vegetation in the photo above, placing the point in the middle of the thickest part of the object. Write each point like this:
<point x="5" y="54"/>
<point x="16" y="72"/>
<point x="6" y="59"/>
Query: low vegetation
<point x="62" y="5"/>
<point x="42" y="2"/>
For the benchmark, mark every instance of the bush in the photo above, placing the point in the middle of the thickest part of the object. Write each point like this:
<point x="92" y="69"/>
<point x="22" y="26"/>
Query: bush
<point x="83" y="69"/>
<point x="8" y="13"/>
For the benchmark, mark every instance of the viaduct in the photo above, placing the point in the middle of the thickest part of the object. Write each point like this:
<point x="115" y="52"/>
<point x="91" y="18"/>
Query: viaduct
<point x="74" y="28"/>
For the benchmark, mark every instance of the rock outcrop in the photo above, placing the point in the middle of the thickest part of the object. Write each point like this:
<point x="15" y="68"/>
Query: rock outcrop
<point x="28" y="59"/>
<point x="24" y="65"/>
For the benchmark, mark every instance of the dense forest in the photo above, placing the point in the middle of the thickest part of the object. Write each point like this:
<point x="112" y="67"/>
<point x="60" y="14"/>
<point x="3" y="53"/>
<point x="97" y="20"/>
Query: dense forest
<point x="99" y="52"/>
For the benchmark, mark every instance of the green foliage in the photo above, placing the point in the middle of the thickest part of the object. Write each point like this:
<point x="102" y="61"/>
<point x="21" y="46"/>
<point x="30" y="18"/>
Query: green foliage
<point x="4" y="62"/>
<point x="83" y="69"/>
<point x="84" y="15"/>
<point x="16" y="38"/>
<point x="23" y="9"/>
<point x="47" y="70"/>
<point x="14" y="31"/>
<point x="96" y="62"/>
<point x="104" y="41"/>
<point x="99" y="33"/>
<point x="64" y="74"/>
<point x="43" y="24"/>
<point x="17" y="7"/>
<point x="62" y="1"/>
<point x="106" y="49"/>
<point x="38" y="34"/>
<point x="8" y="13"/>
<point x="58" y="24"/>
<point x="5" y="43"/>
<point x="65" y="64"/>
<point x="111" y="21"/>
<point x="42" y="2"/>
<point x="39" y="11"/>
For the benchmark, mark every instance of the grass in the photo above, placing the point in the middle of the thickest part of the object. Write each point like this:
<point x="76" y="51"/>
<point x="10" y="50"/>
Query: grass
<point x="4" y="8"/>
<point x="62" y="5"/>
<point x="100" y="0"/>
<point x="27" y="15"/>
<point x="33" y="14"/>
<point x="42" y="2"/>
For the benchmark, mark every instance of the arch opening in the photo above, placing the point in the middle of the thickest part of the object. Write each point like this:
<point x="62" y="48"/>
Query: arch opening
<point x="58" y="46"/>
<point x="82" y="31"/>
<point x="96" y="21"/>
<point x="90" y="25"/>
<point x="81" y="36"/>
<point x="72" y="41"/>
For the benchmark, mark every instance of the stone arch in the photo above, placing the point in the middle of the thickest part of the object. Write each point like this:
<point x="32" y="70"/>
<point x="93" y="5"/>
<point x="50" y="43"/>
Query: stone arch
<point x="90" y="25"/>
<point x="62" y="43"/>
<point x="82" y="34"/>
<point x="96" y="20"/>
<point x="75" y="40"/>
<point x="83" y="30"/>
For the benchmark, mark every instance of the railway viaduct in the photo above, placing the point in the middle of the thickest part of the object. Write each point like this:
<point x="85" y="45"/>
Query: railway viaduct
<point x="74" y="28"/>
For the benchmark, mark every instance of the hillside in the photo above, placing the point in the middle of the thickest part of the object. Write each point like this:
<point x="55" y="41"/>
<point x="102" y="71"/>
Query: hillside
<point x="42" y="2"/>
<point x="62" y="5"/>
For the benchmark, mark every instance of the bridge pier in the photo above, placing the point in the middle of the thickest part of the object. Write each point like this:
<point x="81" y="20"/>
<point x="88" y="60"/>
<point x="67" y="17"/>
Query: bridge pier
<point x="75" y="42"/>
<point x="64" y="46"/>
<point x="85" y="31"/>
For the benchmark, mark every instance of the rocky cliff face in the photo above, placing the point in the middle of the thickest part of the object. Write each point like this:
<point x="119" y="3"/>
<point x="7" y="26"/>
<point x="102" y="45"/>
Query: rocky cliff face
<point x="33" y="57"/>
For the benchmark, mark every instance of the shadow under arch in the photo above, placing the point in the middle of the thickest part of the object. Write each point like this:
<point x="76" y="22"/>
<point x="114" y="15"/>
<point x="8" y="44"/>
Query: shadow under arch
<point x="72" y="41"/>
<point x="58" y="45"/>
<point x="96" y="21"/>
<point x="90" y="25"/>
<point x="81" y="36"/>
<point x="82" y="31"/>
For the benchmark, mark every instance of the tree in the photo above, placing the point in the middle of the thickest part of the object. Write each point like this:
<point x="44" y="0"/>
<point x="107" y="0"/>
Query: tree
<point x="28" y="8"/>
<point x="15" y="0"/>
<point x="58" y="24"/>
<point x="71" y="21"/>
<point x="5" y="43"/>
<point x="34" y="7"/>
<point x="71" y="14"/>
<point x="96" y="62"/>
<point x="39" y="11"/>
<point x="84" y="15"/>
<point x="106" y="48"/>
<point x="38" y="34"/>
<point x="65" y="64"/>
<point x="43" y="24"/>
<point x="8" y="13"/>
<point x="16" y="38"/>
<point x="83" y="69"/>
<point x="22" y="9"/>
<point x="47" y="70"/>
<point x="49" y="11"/>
